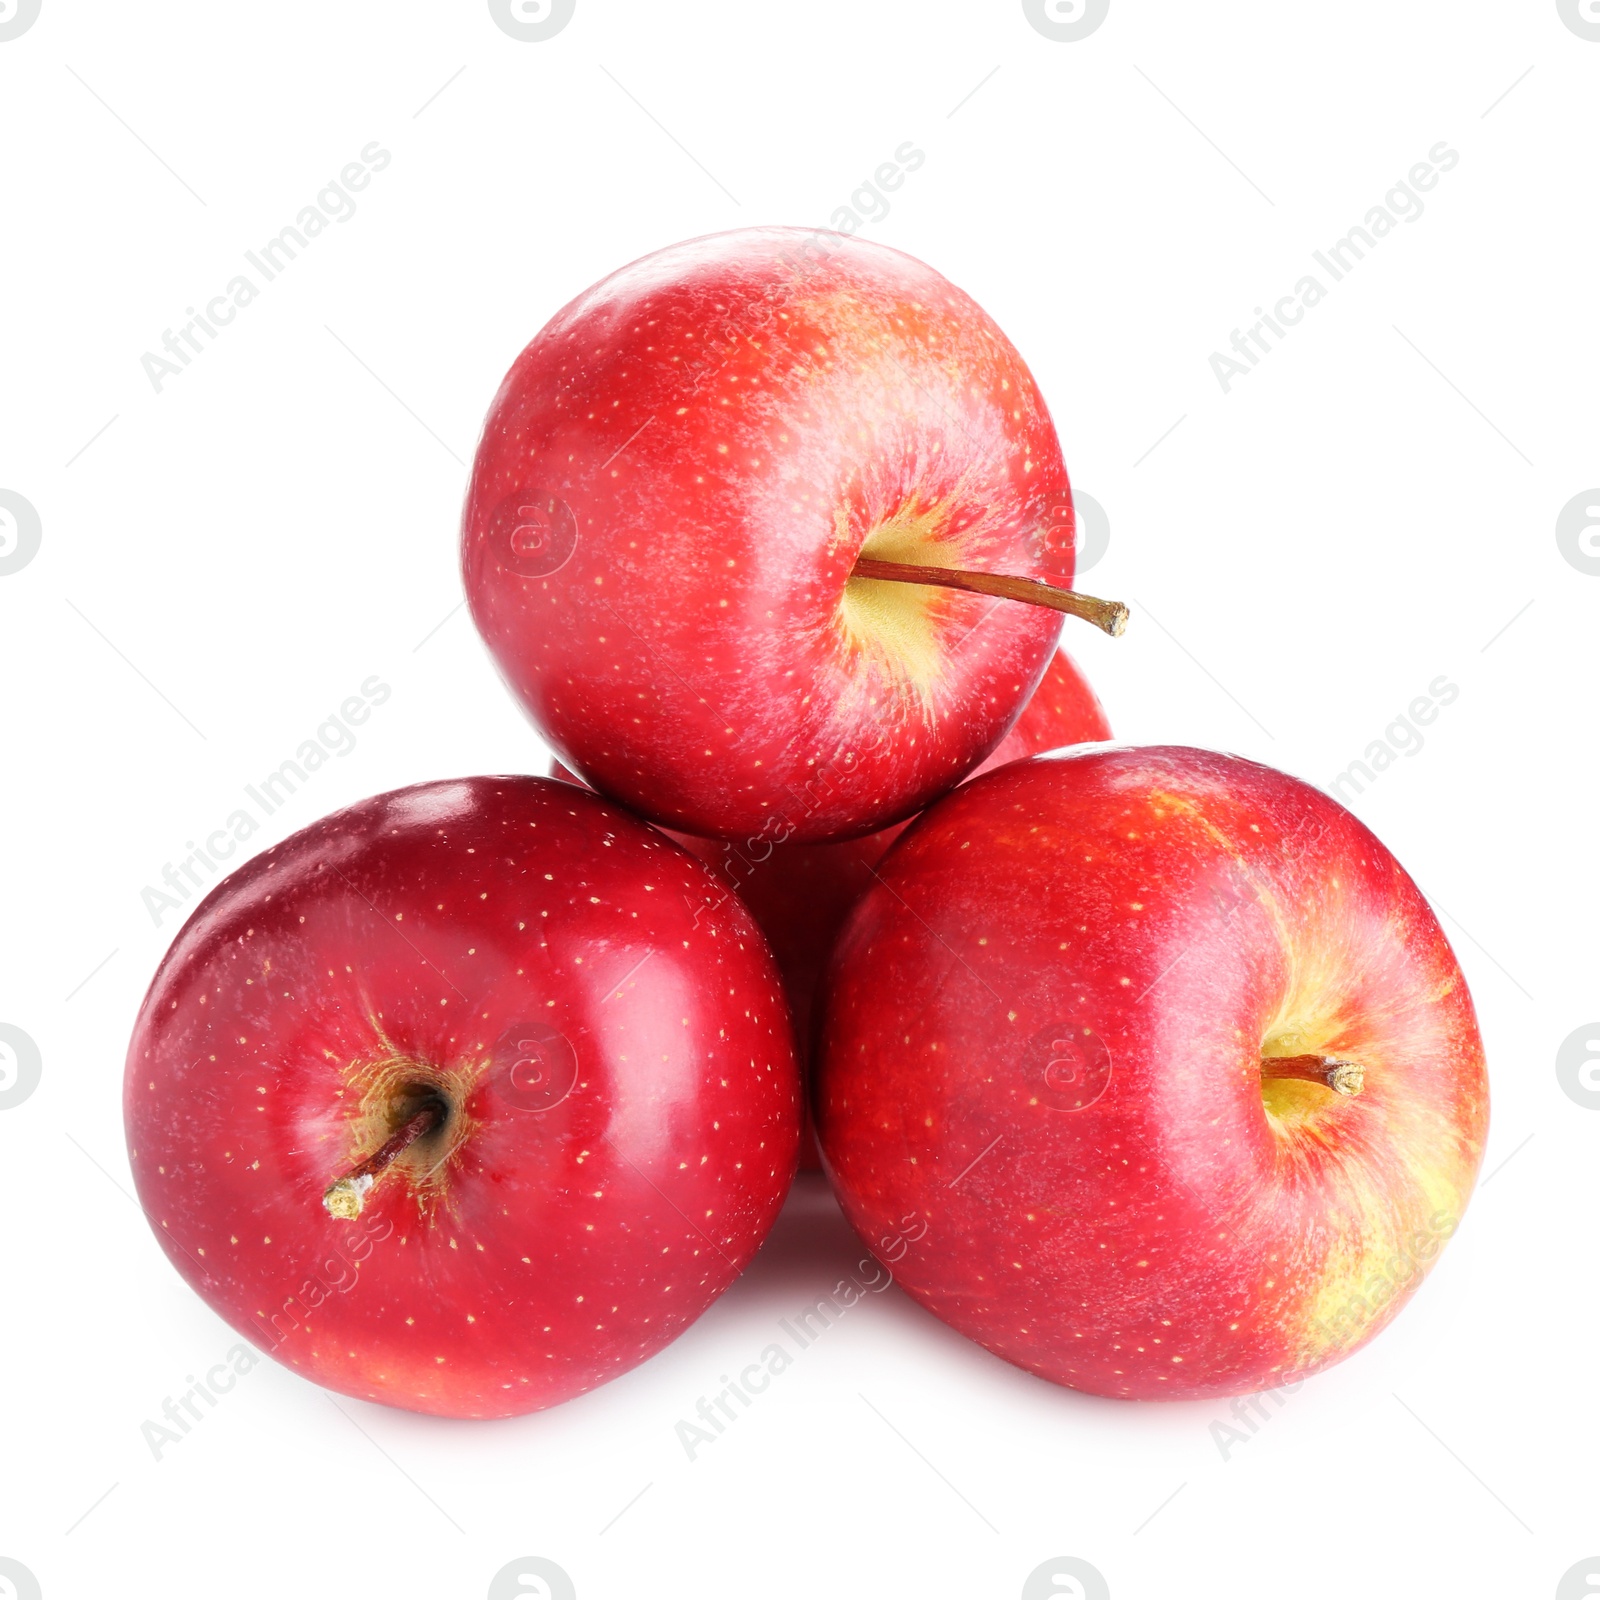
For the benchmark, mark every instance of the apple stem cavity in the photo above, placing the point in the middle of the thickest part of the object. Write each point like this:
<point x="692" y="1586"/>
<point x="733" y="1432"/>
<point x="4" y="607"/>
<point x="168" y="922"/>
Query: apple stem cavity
<point x="345" y="1196"/>
<point x="1111" y="616"/>
<point x="1335" y="1072"/>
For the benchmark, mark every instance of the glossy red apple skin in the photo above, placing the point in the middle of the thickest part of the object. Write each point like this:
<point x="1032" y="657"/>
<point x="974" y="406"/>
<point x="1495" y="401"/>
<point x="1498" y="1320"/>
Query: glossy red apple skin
<point x="672" y="487"/>
<point x="1042" y="1035"/>
<point x="585" y="1201"/>
<point x="800" y="894"/>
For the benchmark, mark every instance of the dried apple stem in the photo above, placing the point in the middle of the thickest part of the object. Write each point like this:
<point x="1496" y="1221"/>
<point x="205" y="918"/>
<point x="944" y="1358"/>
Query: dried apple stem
<point x="1109" y="615"/>
<point x="1338" y="1074"/>
<point x="345" y="1196"/>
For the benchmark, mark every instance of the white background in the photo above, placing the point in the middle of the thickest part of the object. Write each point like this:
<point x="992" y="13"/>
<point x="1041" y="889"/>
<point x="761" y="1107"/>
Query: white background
<point x="222" y="563"/>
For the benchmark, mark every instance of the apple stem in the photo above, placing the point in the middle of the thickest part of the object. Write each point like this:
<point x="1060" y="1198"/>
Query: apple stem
<point x="1338" y="1074"/>
<point x="1109" y="615"/>
<point x="345" y="1196"/>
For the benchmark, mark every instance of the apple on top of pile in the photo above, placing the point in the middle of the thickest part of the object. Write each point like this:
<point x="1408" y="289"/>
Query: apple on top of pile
<point x="473" y="1095"/>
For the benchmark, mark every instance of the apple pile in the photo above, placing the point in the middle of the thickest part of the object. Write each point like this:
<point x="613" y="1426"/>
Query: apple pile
<point x="475" y="1094"/>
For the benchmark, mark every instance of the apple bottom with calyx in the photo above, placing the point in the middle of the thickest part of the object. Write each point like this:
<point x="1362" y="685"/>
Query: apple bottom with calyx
<point x="1172" y="1057"/>
<point x="466" y="1098"/>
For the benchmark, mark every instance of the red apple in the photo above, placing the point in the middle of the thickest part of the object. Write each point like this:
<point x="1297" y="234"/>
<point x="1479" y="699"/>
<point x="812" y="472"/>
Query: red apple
<point x="466" y="1098"/>
<point x="673" y="488"/>
<point x="1172" y="1058"/>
